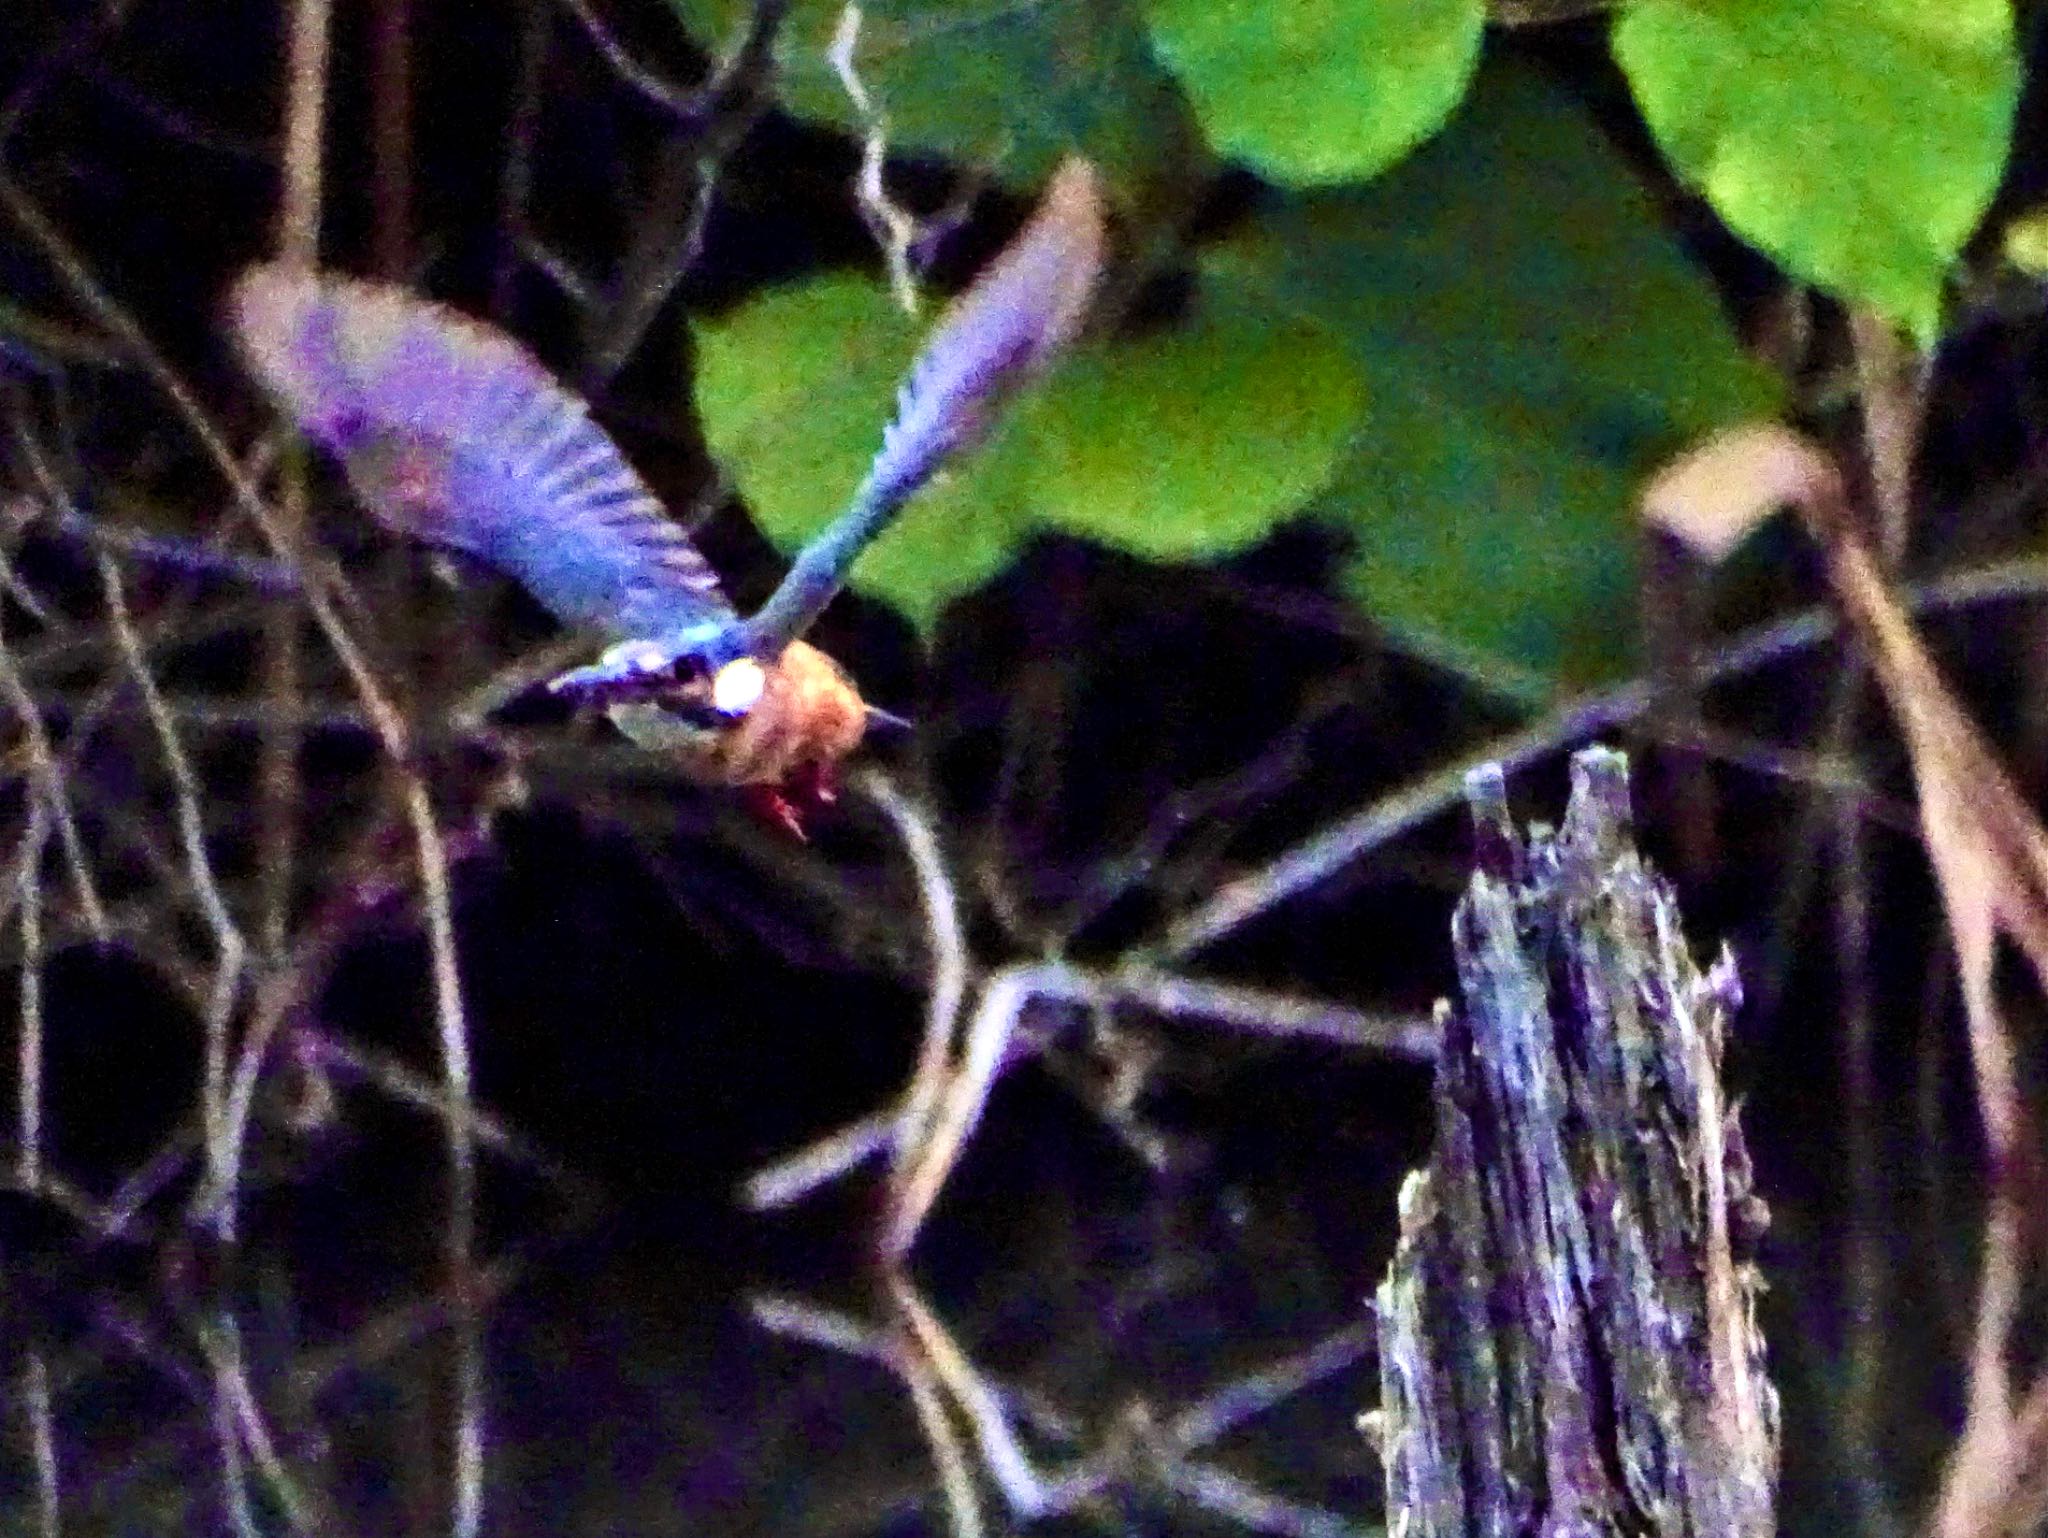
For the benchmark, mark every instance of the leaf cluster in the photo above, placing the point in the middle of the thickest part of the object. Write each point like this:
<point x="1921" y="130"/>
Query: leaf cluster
<point x="1455" y="322"/>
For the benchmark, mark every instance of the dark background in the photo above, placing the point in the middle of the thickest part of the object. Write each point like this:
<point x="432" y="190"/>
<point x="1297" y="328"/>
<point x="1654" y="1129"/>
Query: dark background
<point x="663" y="995"/>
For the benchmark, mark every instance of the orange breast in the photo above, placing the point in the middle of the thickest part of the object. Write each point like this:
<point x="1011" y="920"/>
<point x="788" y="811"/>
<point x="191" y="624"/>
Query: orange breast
<point x="809" y="716"/>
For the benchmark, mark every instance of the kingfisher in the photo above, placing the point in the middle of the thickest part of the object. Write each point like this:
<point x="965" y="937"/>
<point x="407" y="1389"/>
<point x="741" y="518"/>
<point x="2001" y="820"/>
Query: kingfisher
<point x="450" y="432"/>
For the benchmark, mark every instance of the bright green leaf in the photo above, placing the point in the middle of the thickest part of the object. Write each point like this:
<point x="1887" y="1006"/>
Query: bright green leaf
<point x="1532" y="343"/>
<point x="1017" y="83"/>
<point x="1189" y="442"/>
<point x="1313" y="91"/>
<point x="1856" y="141"/>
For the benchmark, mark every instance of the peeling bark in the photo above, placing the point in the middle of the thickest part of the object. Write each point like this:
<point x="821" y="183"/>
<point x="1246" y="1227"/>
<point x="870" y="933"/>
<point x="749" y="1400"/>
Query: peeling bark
<point x="1568" y="1331"/>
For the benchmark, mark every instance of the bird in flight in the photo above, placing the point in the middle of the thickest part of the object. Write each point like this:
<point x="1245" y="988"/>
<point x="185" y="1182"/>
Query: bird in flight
<point x="452" y="433"/>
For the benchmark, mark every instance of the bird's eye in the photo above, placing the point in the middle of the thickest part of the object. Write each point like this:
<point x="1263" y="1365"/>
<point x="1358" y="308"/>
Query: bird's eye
<point x="737" y="687"/>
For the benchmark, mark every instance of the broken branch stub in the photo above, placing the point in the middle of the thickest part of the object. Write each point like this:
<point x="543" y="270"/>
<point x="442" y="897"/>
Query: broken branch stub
<point x="1568" y="1336"/>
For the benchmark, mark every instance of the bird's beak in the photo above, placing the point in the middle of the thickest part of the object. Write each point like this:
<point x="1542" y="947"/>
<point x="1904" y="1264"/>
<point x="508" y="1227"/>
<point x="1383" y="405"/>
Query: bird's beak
<point x="889" y="722"/>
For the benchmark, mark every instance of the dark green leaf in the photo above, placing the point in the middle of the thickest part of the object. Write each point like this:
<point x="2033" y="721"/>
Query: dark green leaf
<point x="1014" y="83"/>
<point x="1532" y="343"/>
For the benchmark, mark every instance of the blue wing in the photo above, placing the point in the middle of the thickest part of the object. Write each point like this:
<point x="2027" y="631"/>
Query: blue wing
<point x="1003" y="332"/>
<point x="451" y="432"/>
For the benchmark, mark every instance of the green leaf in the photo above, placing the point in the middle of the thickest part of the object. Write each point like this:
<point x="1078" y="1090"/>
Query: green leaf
<point x="1532" y="343"/>
<point x="1312" y="91"/>
<point x="1017" y="83"/>
<point x="1855" y="141"/>
<point x="1196" y="440"/>
<point x="1189" y="442"/>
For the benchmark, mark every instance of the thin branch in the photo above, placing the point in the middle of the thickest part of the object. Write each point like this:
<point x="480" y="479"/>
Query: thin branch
<point x="714" y="121"/>
<point x="1238" y="1500"/>
<point x="222" y="1345"/>
<point x="1232" y="1404"/>
<point x="953" y="1119"/>
<point x="1866" y="1266"/>
<point x="949" y="1457"/>
<point x="1320" y="856"/>
<point x="229" y="947"/>
<point x="466" y="1330"/>
<point x="42" y="1439"/>
<point x="515" y="174"/>
<point x="829" y="1328"/>
<point x="233" y="1469"/>
<point x="1263" y="1012"/>
<point x="64" y="517"/>
<point x="947" y="988"/>
<point x="1002" y="1456"/>
<point x="47" y="785"/>
<point x="997" y="1029"/>
<point x="395" y="1080"/>
<point x="391" y="151"/>
<point x="942" y="1379"/>
<point x="894" y="226"/>
<point x="278" y="791"/>
<point x="28" y="1087"/>
<point x="690" y="106"/>
<point x="790" y="1179"/>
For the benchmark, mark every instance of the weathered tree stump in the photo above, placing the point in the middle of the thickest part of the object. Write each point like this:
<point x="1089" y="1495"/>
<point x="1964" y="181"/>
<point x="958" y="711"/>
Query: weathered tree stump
<point x="1568" y="1335"/>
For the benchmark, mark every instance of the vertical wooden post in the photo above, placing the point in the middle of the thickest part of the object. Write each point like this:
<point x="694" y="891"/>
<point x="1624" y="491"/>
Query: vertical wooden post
<point x="1568" y="1335"/>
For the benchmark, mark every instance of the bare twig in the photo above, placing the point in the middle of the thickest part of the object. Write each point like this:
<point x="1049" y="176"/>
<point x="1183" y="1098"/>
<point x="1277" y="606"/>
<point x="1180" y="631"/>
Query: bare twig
<point x="230" y="950"/>
<point x="277" y="775"/>
<point x="670" y="233"/>
<point x="1990" y="860"/>
<point x="993" y="1042"/>
<point x="48" y="786"/>
<point x="1322" y="855"/>
<point x="233" y="1467"/>
<point x="221" y="1343"/>
<point x="1226" y="1408"/>
<point x="680" y="102"/>
<point x="894" y="226"/>
<point x="949" y="1456"/>
<point x="1238" y="1500"/>
<point x="954" y="1116"/>
<point x="944" y="1381"/>
<point x="28" y="1087"/>
<point x="1002" y="1456"/>
<point x="42" y="1441"/>
<point x="391" y="137"/>
<point x="1867" y="1268"/>
<point x="948" y="985"/>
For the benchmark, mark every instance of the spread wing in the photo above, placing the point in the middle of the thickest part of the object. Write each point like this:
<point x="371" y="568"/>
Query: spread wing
<point x="453" y="433"/>
<point x="1009" y="327"/>
<point x="1017" y="316"/>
